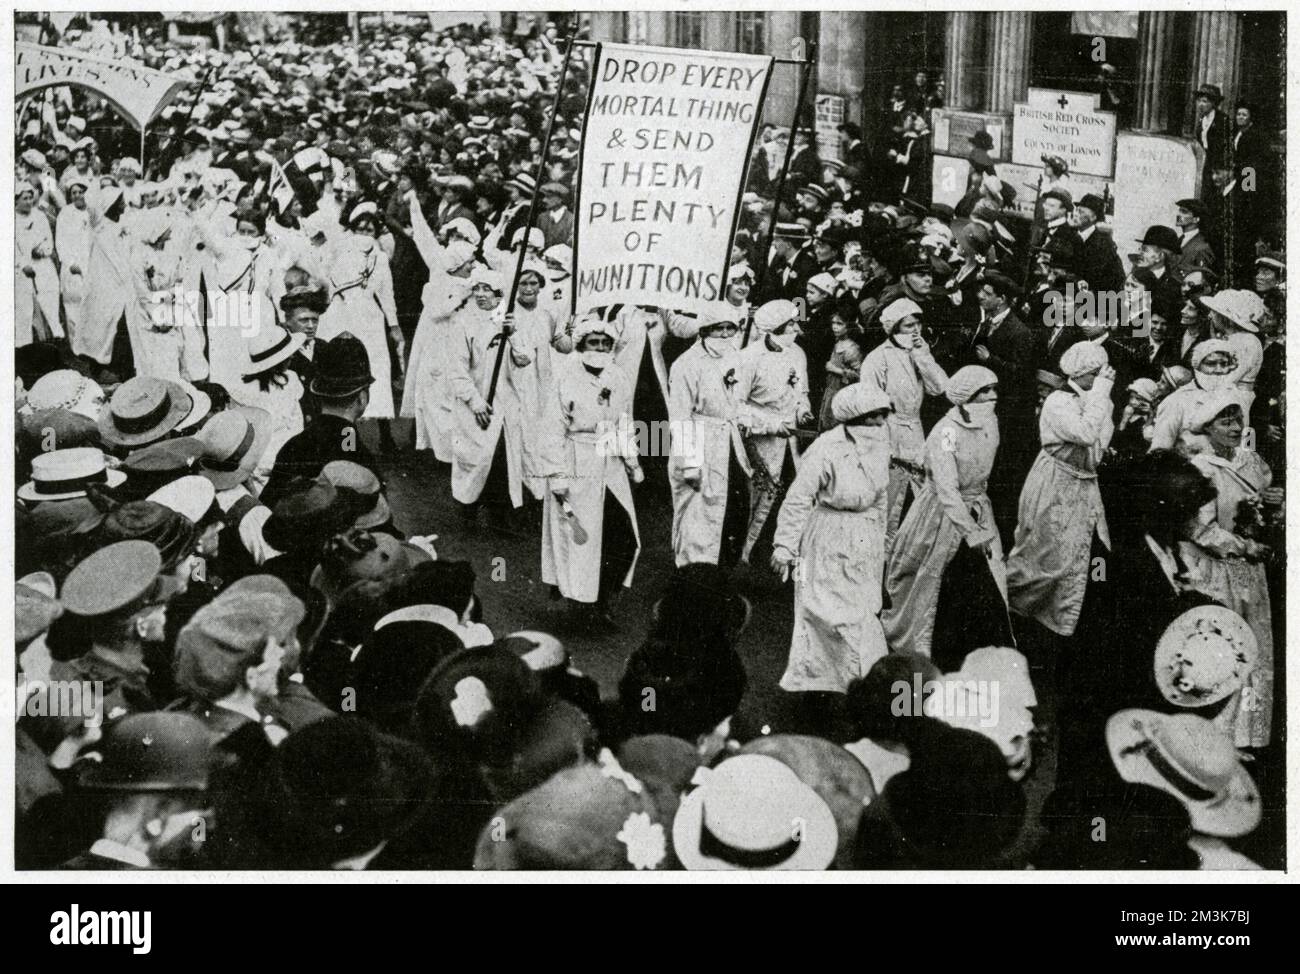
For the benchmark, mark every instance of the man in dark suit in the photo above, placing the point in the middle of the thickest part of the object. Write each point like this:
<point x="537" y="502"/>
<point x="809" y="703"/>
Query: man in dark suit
<point x="1057" y="206"/>
<point x="1154" y="352"/>
<point x="790" y="267"/>
<point x="1005" y="344"/>
<point x="1156" y="271"/>
<point x="556" y="219"/>
<point x="341" y="385"/>
<point x="1195" y="251"/>
<point x="805" y="167"/>
<point x="1251" y="200"/>
<point x="1214" y="132"/>
<point x="1098" y="261"/>
<point x="457" y="192"/>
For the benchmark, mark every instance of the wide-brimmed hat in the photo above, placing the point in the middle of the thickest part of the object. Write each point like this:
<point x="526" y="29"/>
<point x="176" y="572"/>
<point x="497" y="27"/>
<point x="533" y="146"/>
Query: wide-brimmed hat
<point x="341" y="788"/>
<point x="271" y="346"/>
<point x="1204" y="656"/>
<point x="342" y="367"/>
<point x="524" y="183"/>
<point x="753" y="812"/>
<point x="61" y="475"/>
<point x="1192" y="760"/>
<point x="67" y="389"/>
<point x="841" y="780"/>
<point x="594" y="816"/>
<point x="361" y="488"/>
<point x="304" y="519"/>
<point x="143" y="409"/>
<point x="233" y="441"/>
<point x="1244" y="309"/>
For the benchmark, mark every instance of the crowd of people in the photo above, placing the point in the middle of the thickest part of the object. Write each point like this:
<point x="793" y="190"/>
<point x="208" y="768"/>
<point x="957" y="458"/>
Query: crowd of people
<point x="1027" y="494"/>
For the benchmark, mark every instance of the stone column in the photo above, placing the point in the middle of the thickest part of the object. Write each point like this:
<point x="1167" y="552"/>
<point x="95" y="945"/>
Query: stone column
<point x="962" y="61"/>
<point x="782" y="27"/>
<point x="1215" y="55"/>
<point x="1008" y="47"/>
<point x="1155" y="53"/>
<point x="842" y="59"/>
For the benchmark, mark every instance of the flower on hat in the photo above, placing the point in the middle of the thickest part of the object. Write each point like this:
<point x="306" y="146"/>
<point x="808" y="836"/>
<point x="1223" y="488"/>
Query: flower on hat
<point x="645" y="840"/>
<point x="471" y="702"/>
<point x="610" y="768"/>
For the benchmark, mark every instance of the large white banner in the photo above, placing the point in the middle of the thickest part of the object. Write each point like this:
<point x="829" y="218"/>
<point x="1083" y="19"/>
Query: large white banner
<point x="137" y="92"/>
<point x="664" y="149"/>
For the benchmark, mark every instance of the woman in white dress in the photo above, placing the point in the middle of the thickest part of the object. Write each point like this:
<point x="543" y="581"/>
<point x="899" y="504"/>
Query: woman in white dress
<point x="1225" y="562"/>
<point x="36" y="281"/>
<point x="361" y="302"/>
<point x="831" y="532"/>
<point x="426" y="397"/>
<point x="72" y="243"/>
<point x="271" y="385"/>
<point x="592" y="461"/>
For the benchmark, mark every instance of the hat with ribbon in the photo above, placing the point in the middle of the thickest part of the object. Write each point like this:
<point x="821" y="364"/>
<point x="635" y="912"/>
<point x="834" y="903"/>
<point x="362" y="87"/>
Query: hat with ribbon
<point x="233" y="441"/>
<point x="64" y="474"/>
<point x="1191" y="759"/>
<point x="142" y="410"/>
<point x="270" y="347"/>
<point x="752" y="812"/>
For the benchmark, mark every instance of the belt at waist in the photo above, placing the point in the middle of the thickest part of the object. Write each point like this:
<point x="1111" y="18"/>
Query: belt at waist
<point x="713" y="421"/>
<point x="1069" y="468"/>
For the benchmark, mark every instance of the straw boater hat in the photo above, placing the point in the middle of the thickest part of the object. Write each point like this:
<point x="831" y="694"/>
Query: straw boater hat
<point x="61" y="475"/>
<point x="753" y="812"/>
<point x="233" y="441"/>
<point x="1204" y="656"/>
<point x="270" y="347"/>
<point x="1191" y="759"/>
<point x="142" y="410"/>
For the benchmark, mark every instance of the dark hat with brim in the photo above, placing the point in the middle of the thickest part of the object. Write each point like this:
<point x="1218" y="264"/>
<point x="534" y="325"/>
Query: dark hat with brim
<point x="1094" y="203"/>
<point x="341" y="788"/>
<point x="1161" y="236"/>
<point x="304" y="519"/>
<point x="1061" y="196"/>
<point x="1193" y="206"/>
<point x="342" y="368"/>
<point x="170" y="532"/>
<point x="1212" y="92"/>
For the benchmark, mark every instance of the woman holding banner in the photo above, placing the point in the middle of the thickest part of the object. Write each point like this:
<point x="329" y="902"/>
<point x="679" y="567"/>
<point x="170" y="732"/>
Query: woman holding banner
<point x="708" y="469"/>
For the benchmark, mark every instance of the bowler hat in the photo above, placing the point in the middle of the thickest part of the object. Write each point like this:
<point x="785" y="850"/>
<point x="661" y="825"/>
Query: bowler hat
<point x="1095" y="203"/>
<point x="1161" y="236"/>
<point x="342" y="368"/>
